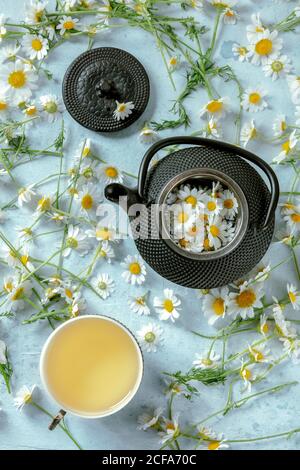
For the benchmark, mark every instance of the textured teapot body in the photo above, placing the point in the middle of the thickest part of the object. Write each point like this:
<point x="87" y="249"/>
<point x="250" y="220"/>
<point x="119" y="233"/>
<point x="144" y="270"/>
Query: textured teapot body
<point x="203" y="272"/>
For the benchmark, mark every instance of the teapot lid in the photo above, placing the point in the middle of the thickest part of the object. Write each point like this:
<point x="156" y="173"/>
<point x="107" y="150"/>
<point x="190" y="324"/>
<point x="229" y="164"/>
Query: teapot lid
<point x="98" y="79"/>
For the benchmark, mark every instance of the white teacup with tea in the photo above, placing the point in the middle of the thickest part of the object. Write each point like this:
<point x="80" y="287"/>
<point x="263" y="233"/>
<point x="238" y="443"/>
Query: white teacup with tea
<point x="91" y="366"/>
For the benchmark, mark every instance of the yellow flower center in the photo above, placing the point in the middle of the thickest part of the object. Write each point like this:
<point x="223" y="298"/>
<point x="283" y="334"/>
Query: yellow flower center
<point x="150" y="337"/>
<point x="264" y="47"/>
<point x="257" y="355"/>
<point x="31" y="110"/>
<point x="103" y="233"/>
<point x="72" y="242"/>
<point x="18" y="294"/>
<point x="246" y="374"/>
<point x="191" y="200"/>
<point x="229" y="13"/>
<point x="17" y="79"/>
<point x="242" y="51"/>
<point x="211" y="206"/>
<point x="24" y="259"/>
<point x="87" y="202"/>
<point x="168" y="305"/>
<point x="69" y="24"/>
<point x="173" y="61"/>
<point x="265" y="328"/>
<point x="8" y="286"/>
<point x="295" y="218"/>
<point x="206" y="362"/>
<point x="50" y="107"/>
<point x="111" y="172"/>
<point x="292" y="297"/>
<point x="135" y="268"/>
<point x="183" y="242"/>
<point x="122" y="107"/>
<point x="259" y="29"/>
<point x="3" y="106"/>
<point x="36" y="44"/>
<point x="206" y="244"/>
<point x="286" y="146"/>
<point x="38" y="15"/>
<point x="228" y="203"/>
<point x="277" y="66"/>
<point x="214" y="106"/>
<point x="214" y="230"/>
<point x="218" y="306"/>
<point x="283" y="126"/>
<point x="182" y="217"/>
<point x="213" y="445"/>
<point x="68" y="293"/>
<point x="86" y="151"/>
<point x="170" y="426"/>
<point x="246" y="298"/>
<point x="254" y="98"/>
<point x="44" y="204"/>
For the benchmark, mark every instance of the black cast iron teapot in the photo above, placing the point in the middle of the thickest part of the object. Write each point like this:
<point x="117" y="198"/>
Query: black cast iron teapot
<point x="206" y="160"/>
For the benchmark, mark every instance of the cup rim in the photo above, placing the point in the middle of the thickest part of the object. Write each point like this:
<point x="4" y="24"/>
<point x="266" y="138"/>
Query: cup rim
<point x="122" y="403"/>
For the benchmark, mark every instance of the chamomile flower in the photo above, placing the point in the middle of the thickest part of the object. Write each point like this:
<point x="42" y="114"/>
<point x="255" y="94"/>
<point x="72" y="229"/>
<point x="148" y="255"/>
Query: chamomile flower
<point x="279" y="125"/>
<point x="294" y="296"/>
<point x="170" y="430"/>
<point x="88" y="172"/>
<point x="294" y="86"/>
<point x="52" y="107"/>
<point x="277" y="67"/>
<point x="240" y="52"/>
<point x="213" y="129"/>
<point x="259" y="353"/>
<point x="150" y="336"/>
<point x="220" y="232"/>
<point x="209" y="440"/>
<point x="148" y="135"/>
<point x="104" y="10"/>
<point x="44" y="203"/>
<point x="190" y="195"/>
<point x="173" y="63"/>
<point x="230" y="16"/>
<point x="135" y="270"/>
<point x="17" y="80"/>
<point x="104" y="233"/>
<point x="3" y="29"/>
<point x="261" y="273"/>
<point x="147" y="420"/>
<point x="84" y="150"/>
<point x="253" y="99"/>
<point x="196" y="4"/>
<point x="9" y="53"/>
<point x="3" y="349"/>
<point x="88" y="198"/>
<point x="104" y="285"/>
<point x="287" y="148"/>
<point x="106" y="252"/>
<point x="283" y="328"/>
<point x="35" y="47"/>
<point x="209" y="360"/>
<point x="230" y="204"/>
<point x="67" y="24"/>
<point x="291" y="346"/>
<point x="183" y="217"/>
<point x="30" y="110"/>
<point x="256" y="28"/>
<point x="76" y="240"/>
<point x="215" y="108"/>
<point x="25" y="195"/>
<point x="264" y="325"/>
<point x="168" y="306"/>
<point x="16" y="290"/>
<point x="265" y="46"/>
<point x="214" y="304"/>
<point x="292" y="218"/>
<point x="139" y="305"/>
<point x="35" y="11"/>
<point x="77" y="306"/>
<point x="247" y="373"/>
<point x="123" y="110"/>
<point x="212" y="205"/>
<point x="110" y="174"/>
<point x="243" y="302"/>
<point x="23" y="397"/>
<point x="4" y="105"/>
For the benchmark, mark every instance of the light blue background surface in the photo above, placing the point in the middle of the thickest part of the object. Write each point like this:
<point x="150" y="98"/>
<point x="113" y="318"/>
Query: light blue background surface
<point x="28" y="430"/>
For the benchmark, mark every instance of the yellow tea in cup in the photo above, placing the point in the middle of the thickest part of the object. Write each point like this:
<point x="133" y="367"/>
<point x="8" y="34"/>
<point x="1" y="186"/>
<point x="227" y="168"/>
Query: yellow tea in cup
<point x="92" y="366"/>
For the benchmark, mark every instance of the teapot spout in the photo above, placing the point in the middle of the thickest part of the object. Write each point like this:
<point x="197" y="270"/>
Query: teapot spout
<point x="114" y="191"/>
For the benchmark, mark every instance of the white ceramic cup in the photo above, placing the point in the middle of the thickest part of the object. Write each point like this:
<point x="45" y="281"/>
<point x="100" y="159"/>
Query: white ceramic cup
<point x="44" y="379"/>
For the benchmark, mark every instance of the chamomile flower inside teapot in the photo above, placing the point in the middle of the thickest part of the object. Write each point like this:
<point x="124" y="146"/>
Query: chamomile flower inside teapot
<point x="202" y="216"/>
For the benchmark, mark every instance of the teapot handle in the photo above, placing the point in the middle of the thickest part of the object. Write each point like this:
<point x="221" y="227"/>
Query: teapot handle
<point x="274" y="185"/>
